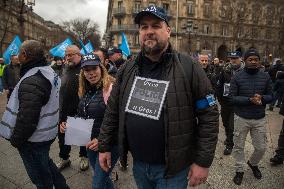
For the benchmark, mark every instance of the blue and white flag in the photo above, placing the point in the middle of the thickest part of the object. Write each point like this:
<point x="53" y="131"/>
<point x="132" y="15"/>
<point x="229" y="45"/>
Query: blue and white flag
<point x="13" y="49"/>
<point x="88" y="48"/>
<point x="59" y="50"/>
<point x="124" y="47"/>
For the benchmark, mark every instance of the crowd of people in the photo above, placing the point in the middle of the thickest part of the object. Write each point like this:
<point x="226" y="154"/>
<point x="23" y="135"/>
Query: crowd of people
<point x="160" y="106"/>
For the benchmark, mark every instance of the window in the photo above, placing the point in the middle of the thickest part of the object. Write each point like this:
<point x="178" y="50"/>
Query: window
<point x="136" y="40"/>
<point x="207" y="10"/>
<point x="224" y="31"/>
<point x="119" y="22"/>
<point x="223" y="11"/>
<point x="166" y="7"/>
<point x="190" y="8"/>
<point x="137" y="6"/>
<point x="268" y="34"/>
<point x="206" y="29"/>
<point x="119" y="4"/>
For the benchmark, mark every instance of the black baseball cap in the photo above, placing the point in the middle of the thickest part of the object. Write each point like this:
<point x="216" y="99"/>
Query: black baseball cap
<point x="234" y="54"/>
<point x="90" y="60"/>
<point x="152" y="10"/>
<point x="114" y="50"/>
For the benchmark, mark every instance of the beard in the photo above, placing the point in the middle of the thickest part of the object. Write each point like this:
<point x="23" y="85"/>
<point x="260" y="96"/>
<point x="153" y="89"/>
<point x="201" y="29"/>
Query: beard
<point x="154" y="50"/>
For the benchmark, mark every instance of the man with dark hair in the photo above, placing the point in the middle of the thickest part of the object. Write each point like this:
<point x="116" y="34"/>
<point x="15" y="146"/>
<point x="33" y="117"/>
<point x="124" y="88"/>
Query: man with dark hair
<point x="115" y="56"/>
<point x="251" y="91"/>
<point x="162" y="110"/>
<point x="104" y="56"/>
<point x="11" y="75"/>
<point x="223" y="89"/>
<point x="31" y="118"/>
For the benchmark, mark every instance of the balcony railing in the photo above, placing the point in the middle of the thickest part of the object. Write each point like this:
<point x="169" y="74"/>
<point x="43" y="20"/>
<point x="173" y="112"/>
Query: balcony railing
<point x="119" y="11"/>
<point x="118" y="28"/>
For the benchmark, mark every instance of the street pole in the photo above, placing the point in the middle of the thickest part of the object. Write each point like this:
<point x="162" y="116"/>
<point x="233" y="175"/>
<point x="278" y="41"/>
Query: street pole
<point x="177" y="27"/>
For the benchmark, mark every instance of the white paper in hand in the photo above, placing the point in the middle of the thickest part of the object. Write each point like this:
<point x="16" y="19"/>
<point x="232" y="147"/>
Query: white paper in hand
<point x="78" y="131"/>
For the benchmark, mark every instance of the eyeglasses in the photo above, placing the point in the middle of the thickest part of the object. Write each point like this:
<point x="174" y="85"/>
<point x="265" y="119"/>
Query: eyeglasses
<point x="70" y="55"/>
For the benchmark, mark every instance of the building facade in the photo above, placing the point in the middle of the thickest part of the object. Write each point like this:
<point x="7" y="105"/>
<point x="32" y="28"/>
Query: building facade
<point x="18" y="18"/>
<point x="213" y="26"/>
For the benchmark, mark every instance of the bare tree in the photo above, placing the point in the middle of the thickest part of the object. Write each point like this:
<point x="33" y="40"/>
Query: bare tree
<point x="5" y="6"/>
<point x="84" y="29"/>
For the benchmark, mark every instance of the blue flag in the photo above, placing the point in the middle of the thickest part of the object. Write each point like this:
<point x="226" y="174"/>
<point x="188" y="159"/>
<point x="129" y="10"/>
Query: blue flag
<point x="13" y="49"/>
<point x="124" y="46"/>
<point x="59" y="50"/>
<point x="88" y="48"/>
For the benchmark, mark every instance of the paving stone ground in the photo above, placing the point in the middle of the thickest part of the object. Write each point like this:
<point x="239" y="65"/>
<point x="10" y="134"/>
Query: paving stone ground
<point x="14" y="176"/>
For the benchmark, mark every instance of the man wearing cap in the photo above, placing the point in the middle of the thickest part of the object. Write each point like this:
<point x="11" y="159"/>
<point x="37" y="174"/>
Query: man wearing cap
<point x="251" y="91"/>
<point x="69" y="100"/>
<point x="164" y="114"/>
<point x="223" y="87"/>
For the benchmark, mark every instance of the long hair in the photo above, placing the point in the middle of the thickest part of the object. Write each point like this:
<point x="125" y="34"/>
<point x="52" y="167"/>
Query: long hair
<point x="106" y="80"/>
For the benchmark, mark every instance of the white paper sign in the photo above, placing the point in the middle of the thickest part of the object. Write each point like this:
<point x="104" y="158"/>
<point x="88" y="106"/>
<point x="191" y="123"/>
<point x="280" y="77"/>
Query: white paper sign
<point x="78" y="131"/>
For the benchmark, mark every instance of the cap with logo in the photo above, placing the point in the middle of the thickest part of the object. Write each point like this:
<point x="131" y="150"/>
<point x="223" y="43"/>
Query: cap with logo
<point x="114" y="50"/>
<point x="90" y="60"/>
<point x="234" y="54"/>
<point x="152" y="10"/>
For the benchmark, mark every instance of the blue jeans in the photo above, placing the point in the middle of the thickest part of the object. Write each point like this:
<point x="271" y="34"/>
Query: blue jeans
<point x="40" y="168"/>
<point x="151" y="176"/>
<point x="101" y="179"/>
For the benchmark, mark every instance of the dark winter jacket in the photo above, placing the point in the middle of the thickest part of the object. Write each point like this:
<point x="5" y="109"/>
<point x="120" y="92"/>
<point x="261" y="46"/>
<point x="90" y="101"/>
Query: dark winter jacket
<point x="186" y="141"/>
<point x="33" y="94"/>
<point x="225" y="77"/>
<point x="11" y="76"/>
<point x="69" y="92"/>
<point x="111" y="68"/>
<point x="280" y="76"/>
<point x="92" y="106"/>
<point x="245" y="85"/>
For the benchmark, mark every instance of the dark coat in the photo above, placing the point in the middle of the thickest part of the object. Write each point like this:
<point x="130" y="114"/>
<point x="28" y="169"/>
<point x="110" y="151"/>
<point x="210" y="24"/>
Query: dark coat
<point x="244" y="86"/>
<point x="11" y="76"/>
<point x="33" y="94"/>
<point x="186" y="141"/>
<point x="92" y="106"/>
<point x="69" y="98"/>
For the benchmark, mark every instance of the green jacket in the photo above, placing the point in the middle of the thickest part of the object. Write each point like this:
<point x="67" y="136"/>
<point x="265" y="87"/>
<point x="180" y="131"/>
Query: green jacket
<point x="2" y="66"/>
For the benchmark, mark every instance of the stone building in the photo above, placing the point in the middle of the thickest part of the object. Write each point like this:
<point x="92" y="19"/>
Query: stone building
<point x="212" y="26"/>
<point x="17" y="18"/>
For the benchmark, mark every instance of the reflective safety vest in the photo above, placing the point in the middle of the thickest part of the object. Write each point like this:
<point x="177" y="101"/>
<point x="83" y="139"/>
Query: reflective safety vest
<point x="49" y="116"/>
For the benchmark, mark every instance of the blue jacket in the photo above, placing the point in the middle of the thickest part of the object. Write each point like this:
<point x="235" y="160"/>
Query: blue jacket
<point x="245" y="85"/>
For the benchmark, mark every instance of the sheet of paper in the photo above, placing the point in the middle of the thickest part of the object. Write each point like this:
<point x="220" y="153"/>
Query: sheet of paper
<point x="78" y="131"/>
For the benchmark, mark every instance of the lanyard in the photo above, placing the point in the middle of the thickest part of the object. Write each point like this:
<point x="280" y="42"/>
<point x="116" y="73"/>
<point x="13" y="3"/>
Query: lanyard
<point x="86" y="104"/>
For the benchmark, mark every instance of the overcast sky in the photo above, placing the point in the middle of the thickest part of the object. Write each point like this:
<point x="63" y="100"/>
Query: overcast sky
<point x="64" y="10"/>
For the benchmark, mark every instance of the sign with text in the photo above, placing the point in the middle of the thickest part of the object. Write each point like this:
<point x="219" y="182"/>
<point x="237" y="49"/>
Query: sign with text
<point x="147" y="97"/>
